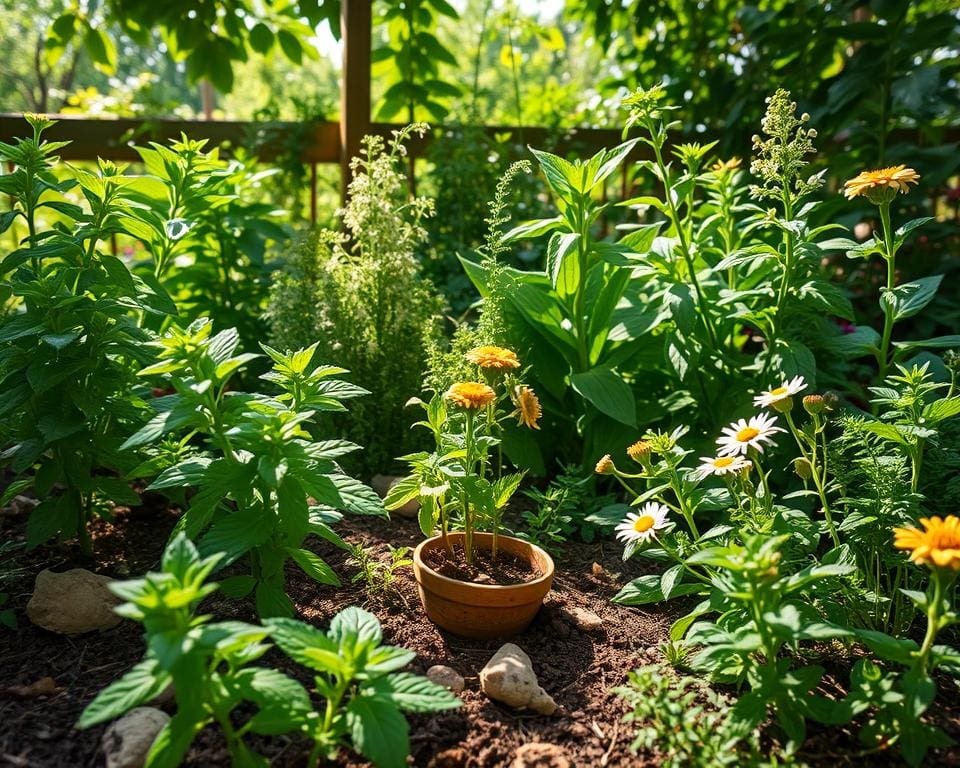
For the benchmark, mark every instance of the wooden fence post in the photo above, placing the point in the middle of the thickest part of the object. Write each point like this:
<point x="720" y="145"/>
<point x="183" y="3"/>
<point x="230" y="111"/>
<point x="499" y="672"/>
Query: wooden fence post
<point x="356" y="24"/>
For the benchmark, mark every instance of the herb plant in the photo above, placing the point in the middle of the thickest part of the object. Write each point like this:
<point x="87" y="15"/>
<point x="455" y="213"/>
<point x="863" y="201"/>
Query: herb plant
<point x="210" y="666"/>
<point x="72" y="347"/>
<point x="361" y="298"/>
<point x="378" y="577"/>
<point x="263" y="483"/>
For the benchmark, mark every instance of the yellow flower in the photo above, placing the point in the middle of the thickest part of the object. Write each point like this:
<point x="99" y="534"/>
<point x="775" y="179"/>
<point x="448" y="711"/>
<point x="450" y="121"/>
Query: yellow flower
<point x="471" y="395"/>
<point x="497" y="358"/>
<point x="723" y="167"/>
<point x="605" y="466"/>
<point x="898" y="178"/>
<point x="528" y="406"/>
<point x="639" y="451"/>
<point x="938" y="544"/>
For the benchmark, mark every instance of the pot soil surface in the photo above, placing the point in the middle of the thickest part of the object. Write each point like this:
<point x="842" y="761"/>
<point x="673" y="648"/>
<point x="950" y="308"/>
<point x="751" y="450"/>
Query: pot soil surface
<point x="576" y="667"/>
<point x="505" y="570"/>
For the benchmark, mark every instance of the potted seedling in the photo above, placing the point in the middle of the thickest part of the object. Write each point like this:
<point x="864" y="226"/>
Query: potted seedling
<point x="474" y="581"/>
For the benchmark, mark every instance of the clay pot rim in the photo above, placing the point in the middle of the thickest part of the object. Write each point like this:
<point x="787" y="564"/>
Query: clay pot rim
<point x="419" y="562"/>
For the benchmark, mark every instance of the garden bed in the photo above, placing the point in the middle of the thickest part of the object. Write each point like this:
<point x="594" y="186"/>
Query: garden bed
<point x="577" y="667"/>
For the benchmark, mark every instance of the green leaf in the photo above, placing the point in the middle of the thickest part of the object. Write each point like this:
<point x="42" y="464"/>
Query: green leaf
<point x="646" y="589"/>
<point x="908" y="299"/>
<point x="290" y="45"/>
<point x="283" y="702"/>
<point x="236" y="534"/>
<point x="563" y="265"/>
<point x="379" y="731"/>
<point x="356" y="497"/>
<point x="306" y="645"/>
<point x="608" y="393"/>
<point x="355" y="625"/>
<point x="312" y="565"/>
<point x="414" y="693"/>
<point x="261" y="38"/>
<point x="144" y="682"/>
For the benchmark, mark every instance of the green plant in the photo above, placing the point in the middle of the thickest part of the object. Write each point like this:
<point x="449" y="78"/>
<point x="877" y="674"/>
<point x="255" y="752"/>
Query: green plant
<point x="206" y="231"/>
<point x="412" y="57"/>
<point x="378" y="576"/>
<point x="684" y="722"/>
<point x="8" y="618"/>
<point x="71" y="348"/>
<point x="456" y="476"/>
<point x="363" y="299"/>
<point x="565" y="508"/>
<point x="209" y="667"/>
<point x="263" y="483"/>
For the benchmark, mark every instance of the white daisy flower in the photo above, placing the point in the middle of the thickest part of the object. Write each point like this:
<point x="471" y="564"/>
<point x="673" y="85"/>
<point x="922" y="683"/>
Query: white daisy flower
<point x="785" y="390"/>
<point x="644" y="524"/>
<point x="721" y="465"/>
<point x="743" y="434"/>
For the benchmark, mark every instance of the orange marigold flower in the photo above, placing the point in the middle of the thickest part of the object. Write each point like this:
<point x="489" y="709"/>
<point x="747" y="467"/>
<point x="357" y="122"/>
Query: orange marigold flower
<point x="938" y="544"/>
<point x="528" y="406"/>
<point x="498" y="358"/>
<point x="897" y="178"/>
<point x="605" y="466"/>
<point x="471" y="395"/>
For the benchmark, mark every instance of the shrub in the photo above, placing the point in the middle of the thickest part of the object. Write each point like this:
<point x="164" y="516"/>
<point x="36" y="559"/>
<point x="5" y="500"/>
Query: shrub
<point x="362" y="297"/>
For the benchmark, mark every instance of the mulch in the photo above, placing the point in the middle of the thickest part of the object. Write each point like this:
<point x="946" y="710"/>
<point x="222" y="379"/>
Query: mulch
<point x="578" y="668"/>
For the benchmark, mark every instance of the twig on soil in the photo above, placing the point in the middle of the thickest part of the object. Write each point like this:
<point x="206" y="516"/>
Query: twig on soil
<point x="613" y="742"/>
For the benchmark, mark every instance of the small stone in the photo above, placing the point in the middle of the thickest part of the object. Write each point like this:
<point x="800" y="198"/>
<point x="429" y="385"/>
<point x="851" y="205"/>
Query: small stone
<point x="540" y="755"/>
<point x="598" y="571"/>
<point x="382" y="485"/>
<point x="509" y="677"/>
<point x="586" y="620"/>
<point x="128" y="740"/>
<point x="448" y="677"/>
<point x="72" y="602"/>
<point x="45" y="686"/>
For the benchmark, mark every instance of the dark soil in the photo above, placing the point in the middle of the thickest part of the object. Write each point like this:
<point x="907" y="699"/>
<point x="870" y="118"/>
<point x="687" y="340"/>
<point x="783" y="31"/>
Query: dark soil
<point x="578" y="668"/>
<point x="507" y="569"/>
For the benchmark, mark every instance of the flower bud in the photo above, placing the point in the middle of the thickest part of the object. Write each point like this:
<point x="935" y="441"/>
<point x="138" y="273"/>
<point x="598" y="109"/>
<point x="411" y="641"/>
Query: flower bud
<point x="605" y="466"/>
<point x="803" y="468"/>
<point x="814" y="404"/>
<point x="639" y="452"/>
<point x="783" y="406"/>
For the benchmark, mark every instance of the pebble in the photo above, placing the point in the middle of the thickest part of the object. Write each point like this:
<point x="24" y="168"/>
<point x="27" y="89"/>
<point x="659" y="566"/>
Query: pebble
<point x="128" y="740"/>
<point x="586" y="620"/>
<point x="72" y="602"/>
<point x="509" y="677"/>
<point x="447" y="677"/>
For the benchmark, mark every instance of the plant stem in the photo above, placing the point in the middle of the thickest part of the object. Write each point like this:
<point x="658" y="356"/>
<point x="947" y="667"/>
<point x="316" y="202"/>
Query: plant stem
<point x="888" y="306"/>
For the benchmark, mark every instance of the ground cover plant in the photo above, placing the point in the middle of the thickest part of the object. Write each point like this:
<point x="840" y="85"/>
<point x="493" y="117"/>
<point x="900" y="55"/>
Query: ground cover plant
<point x="690" y="447"/>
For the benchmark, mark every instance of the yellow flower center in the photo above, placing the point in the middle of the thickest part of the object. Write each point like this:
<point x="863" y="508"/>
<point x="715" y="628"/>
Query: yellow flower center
<point x="779" y="391"/>
<point x="747" y="434"/>
<point x="643" y="524"/>
<point x="723" y="461"/>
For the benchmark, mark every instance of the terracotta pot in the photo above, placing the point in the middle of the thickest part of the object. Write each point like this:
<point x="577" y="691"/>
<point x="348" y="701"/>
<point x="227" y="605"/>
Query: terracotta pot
<point x="482" y="610"/>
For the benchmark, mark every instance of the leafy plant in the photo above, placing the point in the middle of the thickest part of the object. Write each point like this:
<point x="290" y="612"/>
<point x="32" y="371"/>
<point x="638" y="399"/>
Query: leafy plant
<point x="71" y="348"/>
<point x="210" y="668"/>
<point x="378" y="576"/>
<point x="684" y="722"/>
<point x="564" y="509"/>
<point x="364" y="693"/>
<point x="261" y="468"/>
<point x="363" y="299"/>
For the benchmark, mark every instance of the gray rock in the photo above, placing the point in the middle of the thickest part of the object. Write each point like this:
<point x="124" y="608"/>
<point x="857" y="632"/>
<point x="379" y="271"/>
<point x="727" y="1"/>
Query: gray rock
<point x="127" y="741"/>
<point x="72" y="602"/>
<point x="509" y="677"/>
<point x="586" y="620"/>
<point x="448" y="677"/>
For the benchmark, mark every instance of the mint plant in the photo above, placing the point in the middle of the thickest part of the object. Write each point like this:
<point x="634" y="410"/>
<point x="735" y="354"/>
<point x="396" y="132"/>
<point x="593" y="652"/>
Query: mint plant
<point x="263" y="482"/>
<point x="210" y="666"/>
<point x="71" y="348"/>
